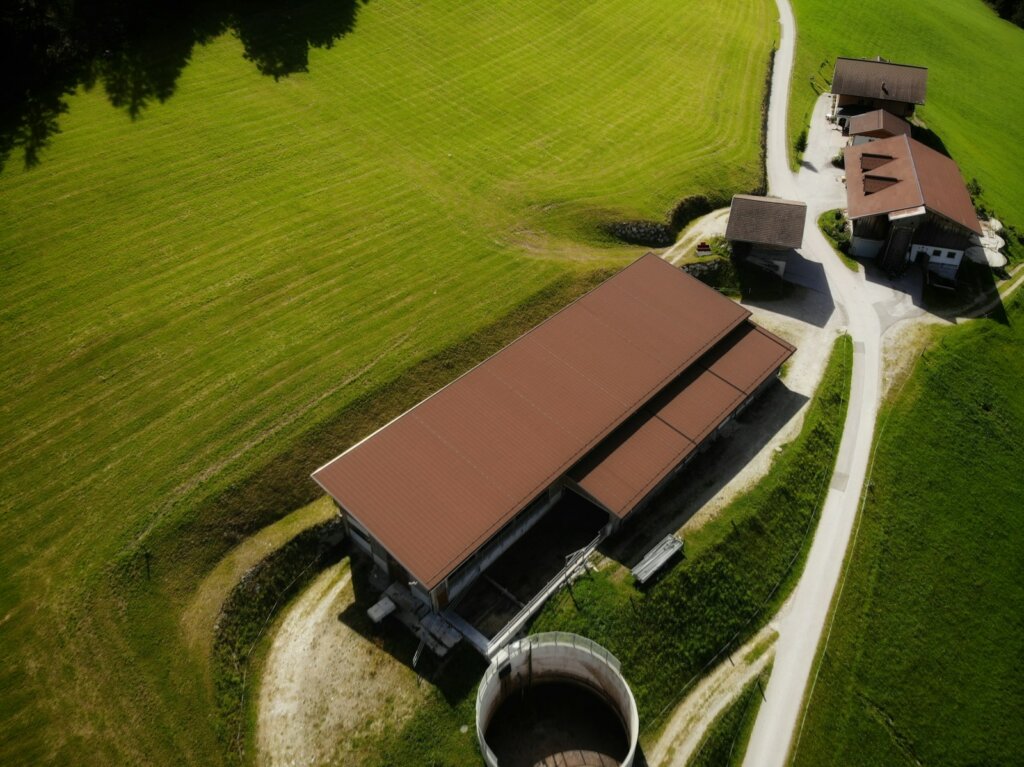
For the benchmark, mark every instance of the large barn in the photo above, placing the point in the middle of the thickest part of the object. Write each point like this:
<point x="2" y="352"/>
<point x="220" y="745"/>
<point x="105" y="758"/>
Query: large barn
<point x="605" y="401"/>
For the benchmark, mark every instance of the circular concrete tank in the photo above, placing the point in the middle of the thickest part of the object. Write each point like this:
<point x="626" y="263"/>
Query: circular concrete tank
<point x="555" y="693"/>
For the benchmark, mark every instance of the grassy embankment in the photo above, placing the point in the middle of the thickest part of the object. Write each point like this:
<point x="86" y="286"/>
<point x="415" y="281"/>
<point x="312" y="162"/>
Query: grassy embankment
<point x="725" y="743"/>
<point x="922" y="666"/>
<point x="975" y="66"/>
<point x="833" y="225"/>
<point x="185" y="295"/>
<point x="736" y="568"/>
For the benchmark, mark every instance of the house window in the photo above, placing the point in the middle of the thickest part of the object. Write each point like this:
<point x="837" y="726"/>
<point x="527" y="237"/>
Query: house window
<point x="936" y="254"/>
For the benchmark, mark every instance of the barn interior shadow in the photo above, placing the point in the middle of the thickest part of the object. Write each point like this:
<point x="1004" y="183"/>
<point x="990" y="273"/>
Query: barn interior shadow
<point x="137" y="52"/>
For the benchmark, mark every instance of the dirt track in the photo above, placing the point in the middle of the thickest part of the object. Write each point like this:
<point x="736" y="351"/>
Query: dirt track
<point x="324" y="683"/>
<point x="690" y="721"/>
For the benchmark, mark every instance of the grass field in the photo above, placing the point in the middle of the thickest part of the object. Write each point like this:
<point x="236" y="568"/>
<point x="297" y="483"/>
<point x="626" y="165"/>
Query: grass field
<point x="975" y="66"/>
<point x="184" y="295"/>
<point x="923" y="664"/>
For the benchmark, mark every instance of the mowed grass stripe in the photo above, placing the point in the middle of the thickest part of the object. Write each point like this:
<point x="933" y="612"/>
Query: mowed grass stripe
<point x="186" y="294"/>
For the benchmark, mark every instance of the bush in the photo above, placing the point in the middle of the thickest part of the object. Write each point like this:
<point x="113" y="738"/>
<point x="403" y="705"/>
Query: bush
<point x="801" y="142"/>
<point x="839" y="161"/>
<point x="834" y="226"/>
<point x="690" y="208"/>
<point x="650" y="234"/>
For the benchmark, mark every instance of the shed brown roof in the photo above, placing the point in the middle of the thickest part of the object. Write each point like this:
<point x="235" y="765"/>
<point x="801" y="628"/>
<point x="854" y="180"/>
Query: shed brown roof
<point x="437" y="482"/>
<point x="899" y="174"/>
<point x="766" y="221"/>
<point x="879" y="123"/>
<point x="868" y="78"/>
<point x="627" y="466"/>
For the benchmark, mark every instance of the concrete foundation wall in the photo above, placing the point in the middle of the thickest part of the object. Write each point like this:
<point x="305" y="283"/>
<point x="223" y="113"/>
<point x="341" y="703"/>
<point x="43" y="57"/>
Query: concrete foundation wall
<point x="549" y="657"/>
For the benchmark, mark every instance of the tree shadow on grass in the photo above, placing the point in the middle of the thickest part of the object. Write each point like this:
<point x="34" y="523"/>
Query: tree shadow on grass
<point x="137" y="51"/>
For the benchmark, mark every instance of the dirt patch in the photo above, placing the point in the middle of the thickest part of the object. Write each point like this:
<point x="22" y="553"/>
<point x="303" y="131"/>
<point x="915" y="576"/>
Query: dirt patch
<point x="324" y="684"/>
<point x="901" y="349"/>
<point x="705" y="227"/>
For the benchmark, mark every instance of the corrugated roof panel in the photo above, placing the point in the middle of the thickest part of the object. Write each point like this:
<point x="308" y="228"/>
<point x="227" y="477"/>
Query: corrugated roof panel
<point x="701" y="314"/>
<point x="631" y="462"/>
<point x="751" y="358"/>
<point x="604" y="356"/>
<point x="575" y="404"/>
<point x="493" y="439"/>
<point x="699" y="407"/>
<point x="647" y="450"/>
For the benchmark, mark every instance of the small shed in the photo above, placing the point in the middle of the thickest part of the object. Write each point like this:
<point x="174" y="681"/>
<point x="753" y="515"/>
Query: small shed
<point x="875" y="125"/>
<point x="765" y="223"/>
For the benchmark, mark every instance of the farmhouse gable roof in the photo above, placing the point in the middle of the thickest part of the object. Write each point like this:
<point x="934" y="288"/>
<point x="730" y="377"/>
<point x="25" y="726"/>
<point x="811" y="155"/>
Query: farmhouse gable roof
<point x="874" y="79"/>
<point x="900" y="174"/>
<point x="766" y="221"/>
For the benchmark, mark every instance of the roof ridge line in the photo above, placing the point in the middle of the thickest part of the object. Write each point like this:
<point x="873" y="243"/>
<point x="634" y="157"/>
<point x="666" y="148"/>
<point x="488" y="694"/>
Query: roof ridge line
<point x="913" y="165"/>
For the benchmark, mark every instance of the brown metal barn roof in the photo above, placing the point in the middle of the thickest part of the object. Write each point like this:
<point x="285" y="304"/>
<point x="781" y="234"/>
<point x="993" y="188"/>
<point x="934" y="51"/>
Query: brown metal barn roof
<point x="868" y="78"/>
<point x="766" y="221"/>
<point x="900" y="174"/>
<point x="436" y="483"/>
<point x="627" y="466"/>
<point x="879" y="123"/>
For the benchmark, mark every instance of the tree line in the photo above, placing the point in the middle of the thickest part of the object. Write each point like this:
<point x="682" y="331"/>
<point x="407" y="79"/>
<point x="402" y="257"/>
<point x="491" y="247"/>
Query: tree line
<point x="136" y="51"/>
<point x="1012" y="10"/>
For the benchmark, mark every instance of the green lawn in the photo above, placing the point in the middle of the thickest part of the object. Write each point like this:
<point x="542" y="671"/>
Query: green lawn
<point x="185" y="295"/>
<point x="975" y="66"/>
<point x="923" y="664"/>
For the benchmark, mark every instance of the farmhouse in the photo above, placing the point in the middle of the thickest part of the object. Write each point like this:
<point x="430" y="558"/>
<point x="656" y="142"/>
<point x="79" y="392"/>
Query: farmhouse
<point x="863" y="85"/>
<point x="907" y="203"/>
<point x="601" y="403"/>
<point x="765" y="223"/>
<point x="877" y="124"/>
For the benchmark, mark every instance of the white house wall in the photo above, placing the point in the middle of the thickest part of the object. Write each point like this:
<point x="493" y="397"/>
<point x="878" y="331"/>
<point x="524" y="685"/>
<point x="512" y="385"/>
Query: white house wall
<point x="939" y="256"/>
